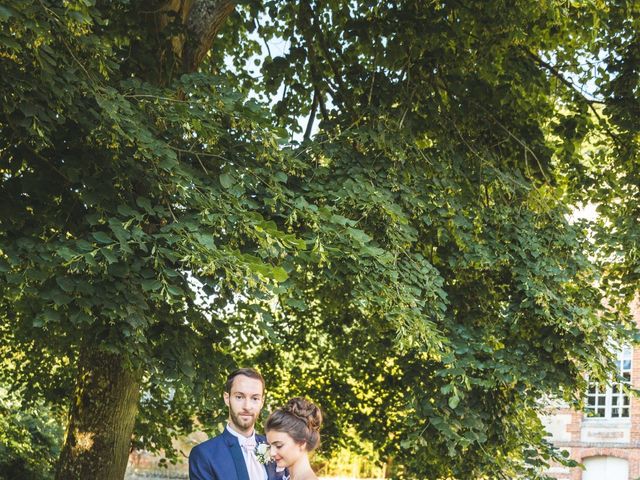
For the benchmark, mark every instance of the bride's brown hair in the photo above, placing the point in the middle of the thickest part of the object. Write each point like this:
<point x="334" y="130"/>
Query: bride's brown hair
<point x="299" y="418"/>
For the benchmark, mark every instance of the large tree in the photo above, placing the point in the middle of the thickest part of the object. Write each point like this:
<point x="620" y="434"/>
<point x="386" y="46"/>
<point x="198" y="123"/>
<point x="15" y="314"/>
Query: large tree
<point x="408" y="261"/>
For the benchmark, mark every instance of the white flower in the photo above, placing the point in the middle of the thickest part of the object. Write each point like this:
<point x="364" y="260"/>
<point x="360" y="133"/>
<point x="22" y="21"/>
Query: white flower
<point x="263" y="453"/>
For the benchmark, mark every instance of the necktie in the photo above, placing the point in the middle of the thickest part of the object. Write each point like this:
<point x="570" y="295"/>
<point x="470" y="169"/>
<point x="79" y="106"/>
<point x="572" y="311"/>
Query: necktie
<point x="255" y="469"/>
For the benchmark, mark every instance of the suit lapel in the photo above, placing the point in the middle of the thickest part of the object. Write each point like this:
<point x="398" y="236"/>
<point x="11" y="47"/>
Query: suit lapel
<point x="236" y="454"/>
<point x="271" y="470"/>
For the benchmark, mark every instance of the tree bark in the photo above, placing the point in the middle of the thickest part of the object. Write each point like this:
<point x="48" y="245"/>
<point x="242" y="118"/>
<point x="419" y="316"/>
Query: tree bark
<point x="193" y="24"/>
<point x="388" y="468"/>
<point x="101" y="419"/>
<point x="204" y="21"/>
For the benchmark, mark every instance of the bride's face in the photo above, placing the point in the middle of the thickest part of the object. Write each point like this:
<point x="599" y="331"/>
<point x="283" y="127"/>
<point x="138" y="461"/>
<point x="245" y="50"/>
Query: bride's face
<point x="284" y="449"/>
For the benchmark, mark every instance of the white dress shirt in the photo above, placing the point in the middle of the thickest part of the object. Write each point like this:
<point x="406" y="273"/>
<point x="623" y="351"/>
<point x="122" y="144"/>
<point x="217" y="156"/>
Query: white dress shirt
<point x="255" y="469"/>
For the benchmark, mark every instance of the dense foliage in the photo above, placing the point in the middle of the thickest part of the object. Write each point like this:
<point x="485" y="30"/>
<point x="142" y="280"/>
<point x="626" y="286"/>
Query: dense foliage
<point x="29" y="439"/>
<point x="405" y="254"/>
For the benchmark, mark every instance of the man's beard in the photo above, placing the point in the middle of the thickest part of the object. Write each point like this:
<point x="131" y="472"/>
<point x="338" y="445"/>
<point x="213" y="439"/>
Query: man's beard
<point x="245" y="422"/>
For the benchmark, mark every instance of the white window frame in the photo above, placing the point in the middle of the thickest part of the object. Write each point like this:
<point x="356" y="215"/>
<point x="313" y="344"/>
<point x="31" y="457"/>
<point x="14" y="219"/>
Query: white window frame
<point x="612" y="402"/>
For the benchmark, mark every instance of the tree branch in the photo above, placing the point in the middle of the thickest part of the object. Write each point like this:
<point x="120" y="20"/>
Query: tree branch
<point x="312" y="115"/>
<point x="204" y="21"/>
<point x="308" y="24"/>
<point x="323" y="106"/>
<point x="590" y="103"/>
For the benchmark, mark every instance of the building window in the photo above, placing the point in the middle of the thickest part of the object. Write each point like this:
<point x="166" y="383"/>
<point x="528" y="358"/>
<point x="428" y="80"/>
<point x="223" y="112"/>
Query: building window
<point x="612" y="401"/>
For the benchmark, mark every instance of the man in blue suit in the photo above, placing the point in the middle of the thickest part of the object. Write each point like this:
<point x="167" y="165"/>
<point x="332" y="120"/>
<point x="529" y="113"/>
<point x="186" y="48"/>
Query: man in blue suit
<point x="231" y="455"/>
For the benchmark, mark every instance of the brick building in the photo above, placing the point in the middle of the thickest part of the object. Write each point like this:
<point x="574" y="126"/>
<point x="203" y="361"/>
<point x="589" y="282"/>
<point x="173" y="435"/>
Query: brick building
<point x="605" y="438"/>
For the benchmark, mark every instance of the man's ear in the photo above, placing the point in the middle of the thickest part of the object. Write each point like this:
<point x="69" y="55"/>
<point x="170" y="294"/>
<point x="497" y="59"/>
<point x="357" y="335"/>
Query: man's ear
<point x="225" y="395"/>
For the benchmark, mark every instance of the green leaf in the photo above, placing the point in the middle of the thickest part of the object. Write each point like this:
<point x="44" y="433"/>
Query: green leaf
<point x="279" y="274"/>
<point x="340" y="220"/>
<point x="127" y="211"/>
<point x="61" y="299"/>
<point x="80" y="17"/>
<point x="121" y="234"/>
<point x="84" y="246"/>
<point x="79" y="317"/>
<point x="151" y="285"/>
<point x="90" y="259"/>
<point x="119" y="270"/>
<point x="358" y="235"/>
<point x="226" y="181"/>
<point x="109" y="255"/>
<point x="175" y="291"/>
<point x="66" y="284"/>
<point x="4" y="266"/>
<point x="102" y="237"/>
<point x="281" y="177"/>
<point x="51" y="316"/>
<point x="66" y="253"/>
<point x="5" y="13"/>
<point x="145" y="203"/>
<point x="298" y="304"/>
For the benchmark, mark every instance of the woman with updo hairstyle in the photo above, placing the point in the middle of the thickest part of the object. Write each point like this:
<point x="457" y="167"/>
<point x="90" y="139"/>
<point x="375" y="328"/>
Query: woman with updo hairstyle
<point x="293" y="431"/>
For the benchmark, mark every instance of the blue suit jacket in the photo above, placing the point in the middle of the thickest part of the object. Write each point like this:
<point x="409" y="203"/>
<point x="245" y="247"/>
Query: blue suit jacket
<point x="220" y="458"/>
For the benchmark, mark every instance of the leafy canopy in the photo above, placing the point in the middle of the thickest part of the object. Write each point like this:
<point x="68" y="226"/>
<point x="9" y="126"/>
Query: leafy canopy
<point x="410" y="263"/>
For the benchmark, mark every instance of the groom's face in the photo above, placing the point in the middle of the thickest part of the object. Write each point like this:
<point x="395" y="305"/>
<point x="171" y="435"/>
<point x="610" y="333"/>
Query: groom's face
<point x="245" y="400"/>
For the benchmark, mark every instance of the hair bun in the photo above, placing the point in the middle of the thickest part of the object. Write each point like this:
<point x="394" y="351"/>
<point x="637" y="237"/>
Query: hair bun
<point x="305" y="411"/>
<point x="300" y="419"/>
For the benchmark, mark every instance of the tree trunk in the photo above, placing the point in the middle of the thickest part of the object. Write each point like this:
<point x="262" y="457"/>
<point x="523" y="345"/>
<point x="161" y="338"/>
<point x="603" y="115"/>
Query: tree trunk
<point x="105" y="403"/>
<point x="388" y="468"/>
<point x="101" y="419"/>
<point x="205" y="19"/>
